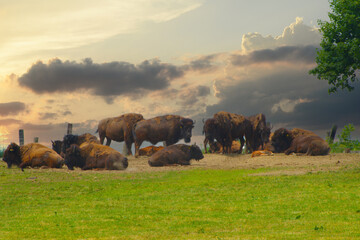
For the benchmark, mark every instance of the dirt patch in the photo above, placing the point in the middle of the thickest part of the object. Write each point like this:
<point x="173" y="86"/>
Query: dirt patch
<point x="280" y="164"/>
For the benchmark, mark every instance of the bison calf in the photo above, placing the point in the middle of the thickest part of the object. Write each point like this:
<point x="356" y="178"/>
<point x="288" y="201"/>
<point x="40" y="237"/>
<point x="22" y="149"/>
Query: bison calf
<point x="32" y="155"/>
<point x="175" y="154"/>
<point x="310" y="145"/>
<point x="91" y="155"/>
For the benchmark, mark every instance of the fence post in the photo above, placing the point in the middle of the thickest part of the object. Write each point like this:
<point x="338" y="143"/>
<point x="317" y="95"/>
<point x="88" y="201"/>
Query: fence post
<point x="69" y="129"/>
<point x="21" y="137"/>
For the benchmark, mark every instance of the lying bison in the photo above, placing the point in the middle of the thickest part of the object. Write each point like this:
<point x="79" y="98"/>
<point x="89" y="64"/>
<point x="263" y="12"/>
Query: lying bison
<point x="150" y="150"/>
<point x="78" y="139"/>
<point x="92" y="155"/>
<point x="32" y="155"/>
<point x="167" y="128"/>
<point x="119" y="129"/>
<point x="309" y="145"/>
<point x="175" y="154"/>
<point x="298" y="140"/>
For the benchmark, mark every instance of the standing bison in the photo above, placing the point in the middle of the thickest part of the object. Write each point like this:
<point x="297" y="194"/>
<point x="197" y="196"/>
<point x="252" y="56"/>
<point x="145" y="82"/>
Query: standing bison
<point x="175" y="154"/>
<point x="119" y="129"/>
<point x="92" y="155"/>
<point x="234" y="126"/>
<point x="261" y="131"/>
<point x="32" y="155"/>
<point x="167" y="128"/>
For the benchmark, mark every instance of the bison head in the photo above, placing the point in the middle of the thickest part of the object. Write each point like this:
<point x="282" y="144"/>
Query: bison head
<point x="68" y="140"/>
<point x="281" y="140"/>
<point x="12" y="155"/>
<point x="57" y="146"/>
<point x="196" y="152"/>
<point x="73" y="157"/>
<point x="186" y="126"/>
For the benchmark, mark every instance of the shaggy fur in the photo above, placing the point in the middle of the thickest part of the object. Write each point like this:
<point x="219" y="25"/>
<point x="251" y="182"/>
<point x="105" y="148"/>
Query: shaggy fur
<point x="261" y="132"/>
<point x="309" y="145"/>
<point x="78" y="139"/>
<point x="168" y="128"/>
<point x="176" y="154"/>
<point x="92" y="155"/>
<point x="119" y="129"/>
<point x="32" y="155"/>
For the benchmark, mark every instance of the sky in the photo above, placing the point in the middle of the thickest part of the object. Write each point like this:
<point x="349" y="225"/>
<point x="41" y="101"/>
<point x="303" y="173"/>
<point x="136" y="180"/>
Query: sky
<point x="82" y="61"/>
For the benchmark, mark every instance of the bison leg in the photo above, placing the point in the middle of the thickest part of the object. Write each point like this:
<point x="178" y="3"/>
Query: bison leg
<point x="137" y="146"/>
<point x="128" y="146"/>
<point x="205" y="144"/>
<point x="108" y="141"/>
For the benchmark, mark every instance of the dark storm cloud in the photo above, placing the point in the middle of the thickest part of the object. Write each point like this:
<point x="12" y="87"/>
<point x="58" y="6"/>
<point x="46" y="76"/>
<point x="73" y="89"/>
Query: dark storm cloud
<point x="313" y="107"/>
<point x="305" y="54"/>
<point x="12" y="108"/>
<point x="107" y="79"/>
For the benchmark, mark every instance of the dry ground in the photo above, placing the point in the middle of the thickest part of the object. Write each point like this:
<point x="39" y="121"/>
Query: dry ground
<point x="280" y="164"/>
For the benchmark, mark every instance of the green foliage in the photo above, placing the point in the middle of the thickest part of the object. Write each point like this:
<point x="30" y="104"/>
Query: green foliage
<point x="194" y="204"/>
<point x="339" y="57"/>
<point x="345" y="142"/>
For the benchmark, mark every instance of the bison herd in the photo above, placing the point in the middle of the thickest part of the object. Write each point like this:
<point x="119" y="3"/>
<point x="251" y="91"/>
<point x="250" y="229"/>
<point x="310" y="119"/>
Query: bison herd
<point x="224" y="133"/>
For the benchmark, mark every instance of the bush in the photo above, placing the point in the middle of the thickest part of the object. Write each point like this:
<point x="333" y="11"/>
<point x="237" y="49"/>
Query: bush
<point x="345" y="144"/>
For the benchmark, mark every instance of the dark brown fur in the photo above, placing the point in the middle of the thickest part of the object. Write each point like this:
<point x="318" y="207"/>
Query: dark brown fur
<point x="309" y="145"/>
<point x="261" y="131"/>
<point x="234" y="126"/>
<point x="175" y="154"/>
<point x="119" y="129"/>
<point x="92" y="155"/>
<point x="167" y="128"/>
<point x="78" y="139"/>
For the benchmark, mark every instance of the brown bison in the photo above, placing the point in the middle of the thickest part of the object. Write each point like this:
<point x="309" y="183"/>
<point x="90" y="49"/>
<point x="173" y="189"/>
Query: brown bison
<point x="297" y="139"/>
<point x="119" y="129"/>
<point x="212" y="132"/>
<point x="150" y="150"/>
<point x="261" y="131"/>
<point x="167" y="128"/>
<point x="92" y="155"/>
<point x="175" y="154"/>
<point x="70" y="139"/>
<point x="32" y="155"/>
<point x="57" y="146"/>
<point x="262" y="153"/>
<point x="309" y="145"/>
<point x="234" y="126"/>
<point x="216" y="147"/>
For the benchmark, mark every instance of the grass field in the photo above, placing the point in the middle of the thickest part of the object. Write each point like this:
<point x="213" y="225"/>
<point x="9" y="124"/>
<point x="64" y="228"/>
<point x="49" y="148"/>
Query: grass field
<point x="191" y="204"/>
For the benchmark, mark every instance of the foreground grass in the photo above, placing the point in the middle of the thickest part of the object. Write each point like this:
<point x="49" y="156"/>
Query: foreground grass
<point x="195" y="204"/>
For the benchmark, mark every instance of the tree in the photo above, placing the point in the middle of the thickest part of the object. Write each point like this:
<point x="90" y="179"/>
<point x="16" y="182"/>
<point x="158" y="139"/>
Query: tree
<point x="338" y="60"/>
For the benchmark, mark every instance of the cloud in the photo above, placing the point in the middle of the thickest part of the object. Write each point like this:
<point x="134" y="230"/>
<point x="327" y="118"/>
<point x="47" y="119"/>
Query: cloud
<point x="48" y="116"/>
<point x="108" y="80"/>
<point x="190" y="96"/>
<point x="295" y="34"/>
<point x="12" y="108"/>
<point x="9" y="122"/>
<point x="303" y="54"/>
<point x="288" y="105"/>
<point x="47" y="25"/>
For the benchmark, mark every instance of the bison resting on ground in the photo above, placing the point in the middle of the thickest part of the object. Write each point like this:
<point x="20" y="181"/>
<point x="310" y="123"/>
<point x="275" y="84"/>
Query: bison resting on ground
<point x="150" y="150"/>
<point x="33" y="155"/>
<point x="309" y="144"/>
<point x="298" y="141"/>
<point x="78" y="139"/>
<point x="93" y="155"/>
<point x="167" y="128"/>
<point x="119" y="129"/>
<point x="175" y="154"/>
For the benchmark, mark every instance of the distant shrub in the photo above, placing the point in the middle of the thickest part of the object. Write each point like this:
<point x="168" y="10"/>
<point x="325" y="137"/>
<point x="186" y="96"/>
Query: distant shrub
<point x="345" y="143"/>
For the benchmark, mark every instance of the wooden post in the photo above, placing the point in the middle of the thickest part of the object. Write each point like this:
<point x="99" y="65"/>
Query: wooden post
<point x="21" y="137"/>
<point x="69" y="129"/>
<point x="36" y="139"/>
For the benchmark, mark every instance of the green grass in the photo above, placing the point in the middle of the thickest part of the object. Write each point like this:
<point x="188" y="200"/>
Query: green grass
<point x="194" y="204"/>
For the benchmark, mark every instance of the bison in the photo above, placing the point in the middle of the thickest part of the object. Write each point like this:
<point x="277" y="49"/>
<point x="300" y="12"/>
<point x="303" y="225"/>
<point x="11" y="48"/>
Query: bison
<point x="167" y="128"/>
<point x="150" y="150"/>
<point x="261" y="131"/>
<point x="33" y="155"/>
<point x="309" y="145"/>
<point x="70" y="139"/>
<point x="92" y="155"/>
<point x="234" y="126"/>
<point x="212" y="132"/>
<point x="119" y="129"/>
<point x="57" y="146"/>
<point x="297" y="140"/>
<point x="176" y="154"/>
